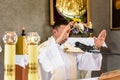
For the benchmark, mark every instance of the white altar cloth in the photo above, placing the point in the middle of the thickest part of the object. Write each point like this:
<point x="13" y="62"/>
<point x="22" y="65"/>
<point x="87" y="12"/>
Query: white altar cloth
<point x="95" y="78"/>
<point x="86" y="41"/>
<point x="21" y="60"/>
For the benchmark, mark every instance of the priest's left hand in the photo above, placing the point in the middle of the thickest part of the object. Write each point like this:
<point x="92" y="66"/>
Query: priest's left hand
<point x="100" y="39"/>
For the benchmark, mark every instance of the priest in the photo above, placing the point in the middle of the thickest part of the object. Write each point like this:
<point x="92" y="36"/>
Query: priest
<point x="63" y="65"/>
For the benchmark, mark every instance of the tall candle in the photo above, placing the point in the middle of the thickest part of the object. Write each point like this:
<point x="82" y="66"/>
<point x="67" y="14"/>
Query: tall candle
<point x="33" y="62"/>
<point x="9" y="62"/>
<point x="32" y="40"/>
<point x="10" y="39"/>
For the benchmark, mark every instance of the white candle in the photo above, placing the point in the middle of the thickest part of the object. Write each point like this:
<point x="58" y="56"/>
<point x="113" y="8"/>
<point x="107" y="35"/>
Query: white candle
<point x="9" y="62"/>
<point x="10" y="39"/>
<point x="32" y="40"/>
<point x="33" y="62"/>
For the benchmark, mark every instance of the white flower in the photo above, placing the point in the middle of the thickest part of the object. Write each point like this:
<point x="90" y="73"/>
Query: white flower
<point x="81" y="26"/>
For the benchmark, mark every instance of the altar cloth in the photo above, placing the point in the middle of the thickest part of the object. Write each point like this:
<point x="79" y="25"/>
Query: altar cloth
<point x="94" y="78"/>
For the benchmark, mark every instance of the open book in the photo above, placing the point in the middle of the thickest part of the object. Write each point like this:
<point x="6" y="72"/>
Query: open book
<point x="70" y="48"/>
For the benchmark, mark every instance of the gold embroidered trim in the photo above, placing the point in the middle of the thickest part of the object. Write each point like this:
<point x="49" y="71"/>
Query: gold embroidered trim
<point x="9" y="70"/>
<point x="32" y="68"/>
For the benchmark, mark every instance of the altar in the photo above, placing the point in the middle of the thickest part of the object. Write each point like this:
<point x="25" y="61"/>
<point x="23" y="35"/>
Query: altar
<point x="21" y="67"/>
<point x="89" y="41"/>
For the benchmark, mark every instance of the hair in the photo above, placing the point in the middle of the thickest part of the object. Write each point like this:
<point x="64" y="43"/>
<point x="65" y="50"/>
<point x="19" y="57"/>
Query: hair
<point x="59" y="22"/>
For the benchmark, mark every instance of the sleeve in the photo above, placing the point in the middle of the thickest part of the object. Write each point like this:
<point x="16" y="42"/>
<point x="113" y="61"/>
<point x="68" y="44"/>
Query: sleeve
<point x="0" y="49"/>
<point x="50" y="58"/>
<point x="89" y="61"/>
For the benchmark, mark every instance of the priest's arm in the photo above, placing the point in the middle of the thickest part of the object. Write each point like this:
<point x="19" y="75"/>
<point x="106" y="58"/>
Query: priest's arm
<point x="92" y="61"/>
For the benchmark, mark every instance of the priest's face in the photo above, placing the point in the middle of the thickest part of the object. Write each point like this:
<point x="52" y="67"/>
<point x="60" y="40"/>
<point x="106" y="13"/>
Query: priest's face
<point x="59" y="33"/>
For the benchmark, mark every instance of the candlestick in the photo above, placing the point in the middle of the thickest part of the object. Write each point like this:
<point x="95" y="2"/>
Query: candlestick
<point x="10" y="39"/>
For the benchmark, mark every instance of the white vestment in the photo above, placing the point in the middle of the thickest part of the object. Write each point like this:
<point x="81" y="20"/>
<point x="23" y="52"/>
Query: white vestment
<point x="60" y="65"/>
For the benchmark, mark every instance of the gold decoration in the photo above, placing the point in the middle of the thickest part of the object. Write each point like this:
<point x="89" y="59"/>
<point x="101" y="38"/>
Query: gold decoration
<point x="33" y="68"/>
<point x="9" y="70"/>
<point x="117" y="4"/>
<point x="71" y="8"/>
<point x="76" y="20"/>
<point x="21" y="46"/>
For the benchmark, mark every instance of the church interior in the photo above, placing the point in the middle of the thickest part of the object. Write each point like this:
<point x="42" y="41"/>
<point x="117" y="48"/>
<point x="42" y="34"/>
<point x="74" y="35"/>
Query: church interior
<point x="24" y="16"/>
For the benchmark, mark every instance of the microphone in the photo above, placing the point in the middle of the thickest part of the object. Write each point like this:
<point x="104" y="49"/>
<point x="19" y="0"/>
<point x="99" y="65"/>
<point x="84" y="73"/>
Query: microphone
<point x="86" y="48"/>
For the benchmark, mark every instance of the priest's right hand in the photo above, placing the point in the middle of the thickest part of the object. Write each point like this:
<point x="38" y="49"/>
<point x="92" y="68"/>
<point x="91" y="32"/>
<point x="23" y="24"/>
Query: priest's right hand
<point x="64" y="34"/>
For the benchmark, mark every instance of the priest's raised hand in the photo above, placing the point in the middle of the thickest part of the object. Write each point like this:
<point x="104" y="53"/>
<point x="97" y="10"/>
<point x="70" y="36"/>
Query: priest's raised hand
<point x="100" y="39"/>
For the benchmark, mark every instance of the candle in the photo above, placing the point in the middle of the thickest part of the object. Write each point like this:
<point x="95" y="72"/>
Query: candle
<point x="32" y="40"/>
<point x="33" y="62"/>
<point x="10" y="39"/>
<point x="90" y="25"/>
<point x="9" y="62"/>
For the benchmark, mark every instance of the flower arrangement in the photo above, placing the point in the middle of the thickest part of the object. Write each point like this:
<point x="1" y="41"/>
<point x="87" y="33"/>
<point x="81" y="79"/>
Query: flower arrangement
<point x="81" y="28"/>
